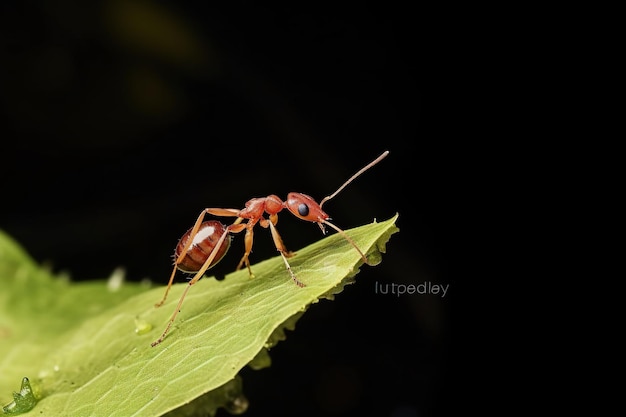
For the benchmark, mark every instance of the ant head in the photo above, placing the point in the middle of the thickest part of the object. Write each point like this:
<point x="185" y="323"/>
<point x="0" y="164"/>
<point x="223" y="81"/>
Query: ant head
<point x="305" y="208"/>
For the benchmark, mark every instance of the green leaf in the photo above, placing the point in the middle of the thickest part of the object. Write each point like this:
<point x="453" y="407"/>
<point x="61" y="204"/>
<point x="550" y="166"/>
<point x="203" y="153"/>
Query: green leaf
<point x="86" y="346"/>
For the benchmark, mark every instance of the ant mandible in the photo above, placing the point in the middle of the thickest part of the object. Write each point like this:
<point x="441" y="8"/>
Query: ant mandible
<point x="200" y="248"/>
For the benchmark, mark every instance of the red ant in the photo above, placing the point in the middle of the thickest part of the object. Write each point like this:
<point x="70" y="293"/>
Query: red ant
<point x="200" y="248"/>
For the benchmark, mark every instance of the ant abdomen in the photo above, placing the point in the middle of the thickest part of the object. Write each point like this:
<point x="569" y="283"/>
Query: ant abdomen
<point x="202" y="245"/>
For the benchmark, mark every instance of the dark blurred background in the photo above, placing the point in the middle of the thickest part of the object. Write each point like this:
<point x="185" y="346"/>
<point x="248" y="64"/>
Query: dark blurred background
<point x="122" y="120"/>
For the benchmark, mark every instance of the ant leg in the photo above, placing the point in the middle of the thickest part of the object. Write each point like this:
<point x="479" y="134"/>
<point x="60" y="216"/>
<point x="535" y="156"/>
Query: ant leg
<point x="280" y="246"/>
<point x="234" y="228"/>
<point x="221" y="212"/>
<point x="248" y="240"/>
<point x="169" y="284"/>
<point x="274" y="220"/>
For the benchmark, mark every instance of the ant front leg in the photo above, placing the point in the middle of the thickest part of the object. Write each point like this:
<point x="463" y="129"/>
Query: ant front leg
<point x="280" y="246"/>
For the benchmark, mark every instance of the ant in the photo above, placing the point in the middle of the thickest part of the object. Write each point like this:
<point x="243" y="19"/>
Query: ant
<point x="206" y="243"/>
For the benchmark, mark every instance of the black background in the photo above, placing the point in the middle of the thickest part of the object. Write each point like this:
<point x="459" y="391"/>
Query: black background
<point x="121" y="121"/>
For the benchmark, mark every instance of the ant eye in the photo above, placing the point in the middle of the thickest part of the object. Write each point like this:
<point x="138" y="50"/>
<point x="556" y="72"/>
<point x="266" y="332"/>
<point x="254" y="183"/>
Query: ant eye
<point x="303" y="209"/>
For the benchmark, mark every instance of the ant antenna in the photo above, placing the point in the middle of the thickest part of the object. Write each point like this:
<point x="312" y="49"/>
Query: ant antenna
<point x="362" y="170"/>
<point x="323" y="222"/>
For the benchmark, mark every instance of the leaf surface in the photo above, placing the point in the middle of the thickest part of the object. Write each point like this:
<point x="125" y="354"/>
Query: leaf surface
<point x="86" y="348"/>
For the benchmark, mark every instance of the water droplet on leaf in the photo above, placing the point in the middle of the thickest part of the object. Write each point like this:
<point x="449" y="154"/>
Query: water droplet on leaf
<point x="116" y="279"/>
<point x="23" y="401"/>
<point x="142" y="327"/>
